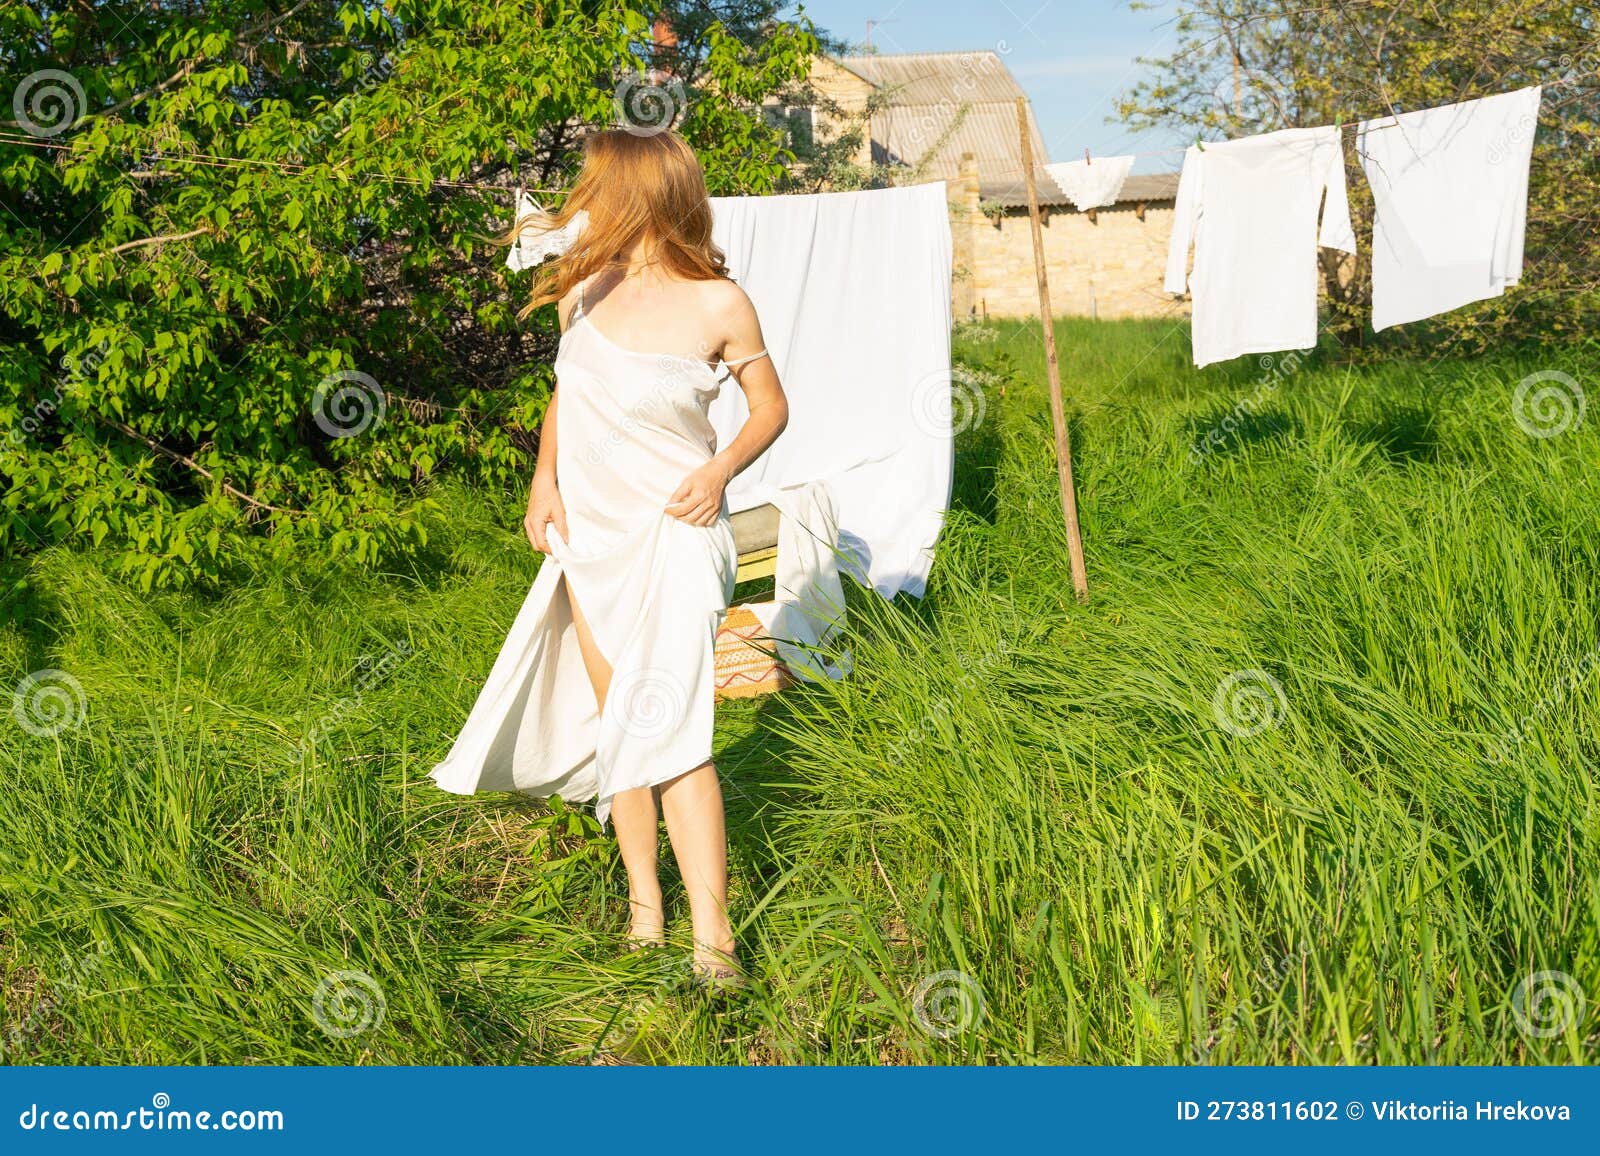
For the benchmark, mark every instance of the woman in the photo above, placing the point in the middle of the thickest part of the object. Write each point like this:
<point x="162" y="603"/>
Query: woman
<point x="603" y="688"/>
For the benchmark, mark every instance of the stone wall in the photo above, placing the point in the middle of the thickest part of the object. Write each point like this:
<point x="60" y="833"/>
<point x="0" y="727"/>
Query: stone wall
<point x="1109" y="263"/>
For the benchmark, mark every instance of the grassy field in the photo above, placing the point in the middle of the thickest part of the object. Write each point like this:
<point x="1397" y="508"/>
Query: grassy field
<point x="1310" y="779"/>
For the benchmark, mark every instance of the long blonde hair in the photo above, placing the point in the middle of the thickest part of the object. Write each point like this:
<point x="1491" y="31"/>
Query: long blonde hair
<point x="632" y="186"/>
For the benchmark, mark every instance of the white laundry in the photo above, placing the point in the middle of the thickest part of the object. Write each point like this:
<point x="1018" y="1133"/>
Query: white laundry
<point x="808" y="608"/>
<point x="1091" y="184"/>
<point x="1450" y="195"/>
<point x="1249" y="207"/>
<point x="853" y="293"/>
<point x="630" y="427"/>
<point x="534" y="245"/>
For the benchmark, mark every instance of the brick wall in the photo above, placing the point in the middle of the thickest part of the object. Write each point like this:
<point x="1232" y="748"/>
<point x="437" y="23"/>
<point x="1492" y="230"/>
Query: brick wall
<point x="1106" y="264"/>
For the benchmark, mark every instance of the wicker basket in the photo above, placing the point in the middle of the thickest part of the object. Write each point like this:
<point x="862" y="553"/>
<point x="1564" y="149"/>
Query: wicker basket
<point x="745" y="664"/>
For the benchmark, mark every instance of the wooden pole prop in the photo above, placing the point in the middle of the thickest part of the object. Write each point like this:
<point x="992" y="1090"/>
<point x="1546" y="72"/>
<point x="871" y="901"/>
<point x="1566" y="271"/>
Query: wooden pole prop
<point x="1058" y="417"/>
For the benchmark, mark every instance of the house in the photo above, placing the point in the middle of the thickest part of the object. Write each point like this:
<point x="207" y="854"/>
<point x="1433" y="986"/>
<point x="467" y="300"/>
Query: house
<point x="952" y="116"/>
<point x="935" y="108"/>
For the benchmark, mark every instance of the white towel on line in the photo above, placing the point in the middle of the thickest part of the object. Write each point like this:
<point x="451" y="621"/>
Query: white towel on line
<point x="1091" y="185"/>
<point x="535" y="245"/>
<point x="1450" y="196"/>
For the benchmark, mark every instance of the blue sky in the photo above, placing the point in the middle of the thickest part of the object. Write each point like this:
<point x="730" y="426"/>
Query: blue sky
<point x="1072" y="58"/>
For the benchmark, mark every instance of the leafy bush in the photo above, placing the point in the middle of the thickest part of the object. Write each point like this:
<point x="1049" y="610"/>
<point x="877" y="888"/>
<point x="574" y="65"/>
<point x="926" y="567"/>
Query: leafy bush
<point x="246" y="304"/>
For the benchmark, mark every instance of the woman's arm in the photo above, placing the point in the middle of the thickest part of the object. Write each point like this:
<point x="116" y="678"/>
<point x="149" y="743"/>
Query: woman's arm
<point x="699" y="499"/>
<point x="544" y="498"/>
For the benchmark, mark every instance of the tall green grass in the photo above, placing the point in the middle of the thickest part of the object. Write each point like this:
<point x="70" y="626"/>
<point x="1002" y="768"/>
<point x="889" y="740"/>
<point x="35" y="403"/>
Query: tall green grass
<point x="1311" y="778"/>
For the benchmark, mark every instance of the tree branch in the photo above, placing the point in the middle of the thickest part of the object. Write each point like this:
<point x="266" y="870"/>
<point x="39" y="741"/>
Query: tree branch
<point x="185" y="460"/>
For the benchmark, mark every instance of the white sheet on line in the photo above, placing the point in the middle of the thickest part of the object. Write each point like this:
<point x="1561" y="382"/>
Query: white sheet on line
<point x="1091" y="184"/>
<point x="1450" y="196"/>
<point x="807" y="609"/>
<point x="853" y="292"/>
<point x="1249" y="207"/>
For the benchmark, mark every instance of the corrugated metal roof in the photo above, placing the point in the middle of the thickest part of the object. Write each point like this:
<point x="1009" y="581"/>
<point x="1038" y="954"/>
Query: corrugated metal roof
<point x="988" y="131"/>
<point x="928" y="93"/>
<point x="931" y="77"/>
<point x="1138" y="187"/>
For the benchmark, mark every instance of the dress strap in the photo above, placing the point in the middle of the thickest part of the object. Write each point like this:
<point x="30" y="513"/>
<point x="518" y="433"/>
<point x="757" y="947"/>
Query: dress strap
<point x="743" y="360"/>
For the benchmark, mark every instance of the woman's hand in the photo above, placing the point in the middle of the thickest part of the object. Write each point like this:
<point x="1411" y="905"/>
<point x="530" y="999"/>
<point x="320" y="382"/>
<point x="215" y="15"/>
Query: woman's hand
<point x="698" y="500"/>
<point x="544" y="507"/>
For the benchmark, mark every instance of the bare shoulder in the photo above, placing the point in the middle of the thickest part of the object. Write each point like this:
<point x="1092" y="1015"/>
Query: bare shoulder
<point x="729" y="309"/>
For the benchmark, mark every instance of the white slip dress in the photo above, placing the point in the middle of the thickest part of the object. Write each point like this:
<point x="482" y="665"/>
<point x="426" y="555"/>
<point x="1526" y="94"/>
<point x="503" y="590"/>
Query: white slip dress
<point x="630" y="426"/>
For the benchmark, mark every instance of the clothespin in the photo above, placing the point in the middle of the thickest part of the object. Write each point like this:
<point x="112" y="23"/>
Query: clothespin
<point x="1198" y="143"/>
<point x="1086" y="159"/>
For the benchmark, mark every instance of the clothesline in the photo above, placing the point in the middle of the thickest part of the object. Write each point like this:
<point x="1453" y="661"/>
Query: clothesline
<point x="213" y="160"/>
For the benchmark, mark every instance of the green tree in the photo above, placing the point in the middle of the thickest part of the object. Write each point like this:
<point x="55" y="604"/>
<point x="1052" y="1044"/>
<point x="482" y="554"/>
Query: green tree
<point x="245" y="303"/>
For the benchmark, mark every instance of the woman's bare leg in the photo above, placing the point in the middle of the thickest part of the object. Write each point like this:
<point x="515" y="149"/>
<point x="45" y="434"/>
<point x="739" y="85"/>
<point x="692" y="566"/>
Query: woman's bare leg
<point x="698" y="829"/>
<point x="633" y="813"/>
